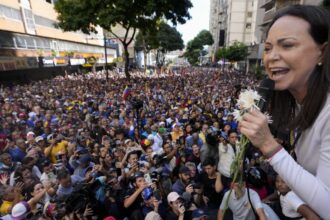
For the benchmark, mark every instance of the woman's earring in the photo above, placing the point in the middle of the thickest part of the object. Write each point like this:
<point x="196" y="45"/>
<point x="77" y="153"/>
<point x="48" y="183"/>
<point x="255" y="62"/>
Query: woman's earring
<point x="319" y="64"/>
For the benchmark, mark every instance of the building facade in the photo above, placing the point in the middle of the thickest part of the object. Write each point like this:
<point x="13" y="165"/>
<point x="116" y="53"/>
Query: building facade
<point x="27" y="29"/>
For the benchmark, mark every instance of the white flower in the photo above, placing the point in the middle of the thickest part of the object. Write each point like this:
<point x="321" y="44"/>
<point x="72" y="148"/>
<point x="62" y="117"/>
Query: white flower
<point x="248" y="99"/>
<point x="237" y="115"/>
<point x="269" y="118"/>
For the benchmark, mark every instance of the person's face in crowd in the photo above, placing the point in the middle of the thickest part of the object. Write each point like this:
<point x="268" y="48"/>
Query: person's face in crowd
<point x="149" y="152"/>
<point x="103" y="152"/>
<point x="188" y="129"/>
<point x="34" y="154"/>
<point x="108" y="159"/>
<point x="37" y="189"/>
<point x="7" y="160"/>
<point x="209" y="170"/>
<point x="133" y="159"/>
<point x="26" y="174"/>
<point x="48" y="115"/>
<point x="9" y="194"/>
<point x="291" y="54"/>
<point x="167" y="148"/>
<point x="230" y="118"/>
<point x="226" y="128"/>
<point x="48" y="169"/>
<point x="196" y="150"/>
<point x="192" y="171"/>
<point x="204" y="128"/>
<point x="281" y="186"/>
<point x="71" y="132"/>
<point x="41" y="143"/>
<point x="112" y="132"/>
<point x="185" y="178"/>
<point x="216" y="125"/>
<point x="66" y="182"/>
<point x="232" y="138"/>
<point x="176" y="128"/>
<point x="176" y="205"/>
<point x="139" y="182"/>
<point x="21" y="144"/>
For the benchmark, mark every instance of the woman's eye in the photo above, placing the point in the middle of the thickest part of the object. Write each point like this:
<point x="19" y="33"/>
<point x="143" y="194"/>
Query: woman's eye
<point x="287" y="45"/>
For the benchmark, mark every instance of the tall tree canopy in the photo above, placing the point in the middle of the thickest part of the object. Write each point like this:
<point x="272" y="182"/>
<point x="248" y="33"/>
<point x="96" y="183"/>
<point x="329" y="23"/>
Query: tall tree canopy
<point x="195" y="47"/>
<point x="85" y="15"/>
<point x="235" y="52"/>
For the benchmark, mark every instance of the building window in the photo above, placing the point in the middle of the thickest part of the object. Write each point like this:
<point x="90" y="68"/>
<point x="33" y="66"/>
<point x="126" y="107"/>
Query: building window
<point x="248" y="25"/>
<point x="29" y="21"/>
<point x="49" y="1"/>
<point x="11" y="13"/>
<point x="249" y="14"/>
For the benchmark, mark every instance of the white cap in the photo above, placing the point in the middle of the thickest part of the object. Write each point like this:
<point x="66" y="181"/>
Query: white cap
<point x="39" y="138"/>
<point x="172" y="197"/>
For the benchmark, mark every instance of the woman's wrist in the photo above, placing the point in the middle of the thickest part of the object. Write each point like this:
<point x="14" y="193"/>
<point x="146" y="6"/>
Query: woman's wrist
<point x="269" y="150"/>
<point x="274" y="151"/>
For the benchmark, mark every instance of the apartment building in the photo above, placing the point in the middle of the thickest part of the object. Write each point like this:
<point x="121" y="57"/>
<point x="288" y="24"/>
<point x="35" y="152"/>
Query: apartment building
<point x="28" y="30"/>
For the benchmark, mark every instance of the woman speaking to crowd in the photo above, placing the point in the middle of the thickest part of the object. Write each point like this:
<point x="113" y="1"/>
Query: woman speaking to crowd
<point x="297" y="58"/>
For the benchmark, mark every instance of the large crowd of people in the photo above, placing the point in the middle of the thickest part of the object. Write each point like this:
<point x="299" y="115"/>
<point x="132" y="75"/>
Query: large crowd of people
<point x="152" y="147"/>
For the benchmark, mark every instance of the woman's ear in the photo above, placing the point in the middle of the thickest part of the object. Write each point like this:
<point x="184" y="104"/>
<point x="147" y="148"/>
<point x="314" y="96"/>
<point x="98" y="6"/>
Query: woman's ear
<point x="323" y="49"/>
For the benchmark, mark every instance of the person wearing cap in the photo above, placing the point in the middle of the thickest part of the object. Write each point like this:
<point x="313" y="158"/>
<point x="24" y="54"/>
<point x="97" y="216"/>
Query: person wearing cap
<point x="81" y="164"/>
<point x="40" y="141"/>
<point x="183" y="182"/>
<point x="151" y="204"/>
<point x="56" y="145"/>
<point x="133" y="197"/>
<point x="198" y="214"/>
<point x="177" y="209"/>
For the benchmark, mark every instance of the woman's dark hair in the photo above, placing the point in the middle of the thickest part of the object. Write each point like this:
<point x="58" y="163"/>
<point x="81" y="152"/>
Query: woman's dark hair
<point x="283" y="103"/>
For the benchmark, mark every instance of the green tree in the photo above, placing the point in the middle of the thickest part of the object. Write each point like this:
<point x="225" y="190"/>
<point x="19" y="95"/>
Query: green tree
<point x="164" y="40"/>
<point x="145" y="42"/>
<point x="168" y="39"/>
<point x="195" y="47"/>
<point x="235" y="52"/>
<point x="86" y="15"/>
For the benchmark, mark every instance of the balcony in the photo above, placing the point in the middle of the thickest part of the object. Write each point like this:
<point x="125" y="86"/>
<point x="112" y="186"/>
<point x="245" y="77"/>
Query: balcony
<point x="268" y="4"/>
<point x="269" y="15"/>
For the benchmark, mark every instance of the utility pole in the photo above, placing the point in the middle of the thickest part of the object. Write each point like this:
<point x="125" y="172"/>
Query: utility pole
<point x="105" y="57"/>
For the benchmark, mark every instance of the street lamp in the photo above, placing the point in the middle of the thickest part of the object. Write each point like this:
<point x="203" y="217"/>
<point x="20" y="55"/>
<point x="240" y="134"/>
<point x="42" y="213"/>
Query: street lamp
<point x="105" y="57"/>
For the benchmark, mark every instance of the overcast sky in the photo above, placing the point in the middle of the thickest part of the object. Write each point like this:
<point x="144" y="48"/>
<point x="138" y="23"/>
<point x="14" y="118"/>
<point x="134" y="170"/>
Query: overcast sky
<point x="200" y="14"/>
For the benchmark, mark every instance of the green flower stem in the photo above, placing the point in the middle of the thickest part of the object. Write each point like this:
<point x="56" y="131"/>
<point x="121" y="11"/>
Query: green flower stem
<point x="237" y="169"/>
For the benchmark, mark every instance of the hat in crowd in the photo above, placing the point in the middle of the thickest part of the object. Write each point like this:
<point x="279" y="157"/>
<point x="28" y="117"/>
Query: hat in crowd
<point x="172" y="197"/>
<point x="197" y="214"/>
<point x="82" y="150"/>
<point x="30" y="135"/>
<point x="153" y="216"/>
<point x="39" y="138"/>
<point x="49" y="137"/>
<point x="127" y="141"/>
<point x="109" y="218"/>
<point x="184" y="170"/>
<point x="84" y="159"/>
<point x="162" y="130"/>
<point x="20" y="210"/>
<point x="147" y="193"/>
<point x="137" y="175"/>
